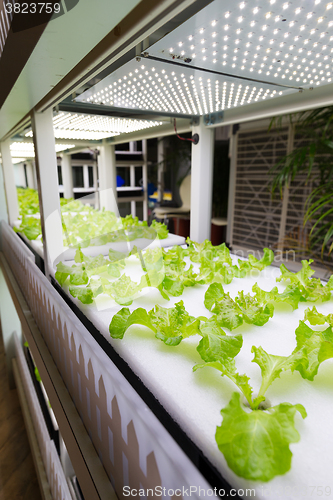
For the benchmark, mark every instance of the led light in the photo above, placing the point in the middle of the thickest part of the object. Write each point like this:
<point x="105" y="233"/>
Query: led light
<point x="226" y="27"/>
<point x="309" y="15"/>
<point x="190" y="37"/>
<point x="240" y="19"/>
<point x="213" y="23"/>
<point x="255" y="10"/>
<point x="227" y="14"/>
<point x="242" y="5"/>
<point x="329" y="6"/>
<point x="268" y="15"/>
<point x="285" y="6"/>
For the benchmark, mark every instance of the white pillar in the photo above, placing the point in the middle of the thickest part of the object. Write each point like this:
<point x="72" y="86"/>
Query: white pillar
<point x="85" y="177"/>
<point x="95" y="174"/>
<point x="67" y="175"/>
<point x="132" y="184"/>
<point x="30" y="175"/>
<point x="107" y="176"/>
<point x="160" y="169"/>
<point x="9" y="182"/>
<point x="48" y="187"/>
<point x="202" y="164"/>
<point x="145" y="179"/>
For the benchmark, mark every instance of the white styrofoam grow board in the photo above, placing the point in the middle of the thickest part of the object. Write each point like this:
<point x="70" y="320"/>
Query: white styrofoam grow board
<point x="194" y="400"/>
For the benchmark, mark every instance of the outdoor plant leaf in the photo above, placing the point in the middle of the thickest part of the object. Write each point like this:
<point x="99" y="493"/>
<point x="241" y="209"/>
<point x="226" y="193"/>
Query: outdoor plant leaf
<point x="256" y="444"/>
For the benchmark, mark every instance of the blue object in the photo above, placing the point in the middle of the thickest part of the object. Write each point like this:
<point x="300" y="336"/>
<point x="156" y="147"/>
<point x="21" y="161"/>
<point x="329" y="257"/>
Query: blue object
<point x="120" y="181"/>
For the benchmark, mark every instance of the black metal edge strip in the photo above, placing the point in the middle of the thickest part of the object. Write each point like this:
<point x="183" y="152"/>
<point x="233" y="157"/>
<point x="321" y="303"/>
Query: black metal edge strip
<point x="207" y="469"/>
<point x="214" y="72"/>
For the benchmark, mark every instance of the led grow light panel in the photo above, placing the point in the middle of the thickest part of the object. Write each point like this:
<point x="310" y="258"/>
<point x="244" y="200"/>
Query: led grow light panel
<point x="27" y="149"/>
<point x="82" y="126"/>
<point x="156" y="86"/>
<point x="283" y="42"/>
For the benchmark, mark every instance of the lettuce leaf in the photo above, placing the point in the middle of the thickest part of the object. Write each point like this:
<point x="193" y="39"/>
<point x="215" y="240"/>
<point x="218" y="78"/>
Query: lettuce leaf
<point x="256" y="444"/>
<point x="311" y="289"/>
<point x="266" y="259"/>
<point x="315" y="346"/>
<point x="215" y="345"/>
<point x="169" y="325"/>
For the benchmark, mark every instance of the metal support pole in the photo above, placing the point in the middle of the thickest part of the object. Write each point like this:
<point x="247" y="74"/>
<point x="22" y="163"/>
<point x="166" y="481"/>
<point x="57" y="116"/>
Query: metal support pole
<point x="67" y="175"/>
<point x="145" y="179"/>
<point x="160" y="169"/>
<point x="9" y="182"/>
<point x="107" y="176"/>
<point x="48" y="187"/>
<point x="202" y="164"/>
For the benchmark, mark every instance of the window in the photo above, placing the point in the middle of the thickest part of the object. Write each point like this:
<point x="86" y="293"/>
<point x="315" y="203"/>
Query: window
<point x="91" y="176"/>
<point x="78" y="177"/>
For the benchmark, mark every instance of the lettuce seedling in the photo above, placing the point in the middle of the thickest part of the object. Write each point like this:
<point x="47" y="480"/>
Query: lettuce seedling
<point x="169" y="325"/>
<point x="256" y="444"/>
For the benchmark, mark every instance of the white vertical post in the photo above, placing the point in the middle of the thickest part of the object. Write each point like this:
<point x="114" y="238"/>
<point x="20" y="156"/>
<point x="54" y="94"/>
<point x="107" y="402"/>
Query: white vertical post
<point x="85" y="176"/>
<point x="160" y="169"/>
<point x="95" y="177"/>
<point x="95" y="174"/>
<point x="30" y="175"/>
<point x="9" y="182"/>
<point x="132" y="184"/>
<point x="48" y="190"/>
<point x="232" y="185"/>
<point x="145" y="179"/>
<point x="202" y="164"/>
<point x="107" y="175"/>
<point x="67" y="175"/>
